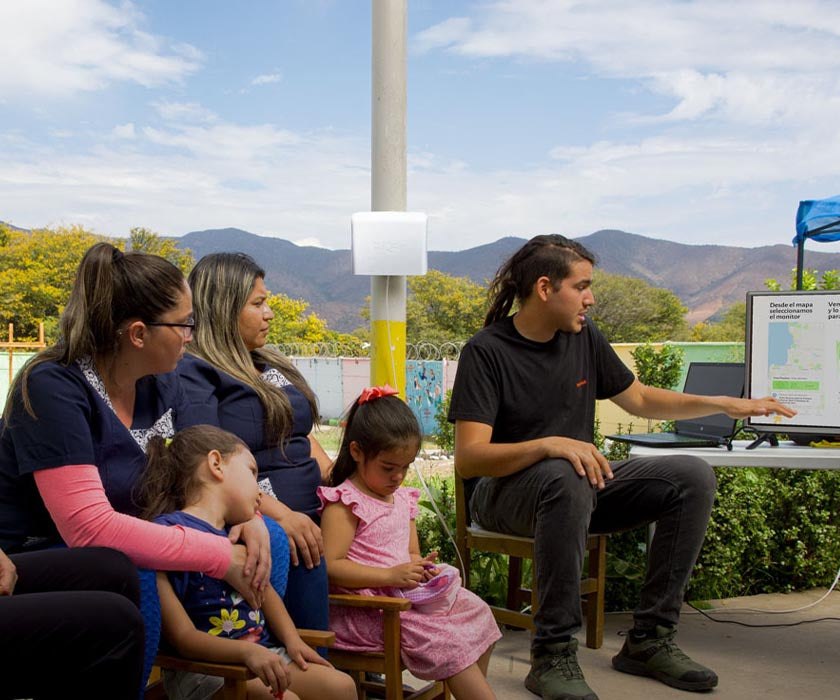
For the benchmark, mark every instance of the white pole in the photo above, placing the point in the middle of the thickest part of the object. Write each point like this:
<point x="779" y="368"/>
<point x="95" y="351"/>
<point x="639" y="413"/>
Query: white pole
<point x="388" y="184"/>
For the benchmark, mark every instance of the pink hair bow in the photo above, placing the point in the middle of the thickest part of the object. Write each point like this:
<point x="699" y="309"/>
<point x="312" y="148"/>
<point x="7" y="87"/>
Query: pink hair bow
<point x="376" y="392"/>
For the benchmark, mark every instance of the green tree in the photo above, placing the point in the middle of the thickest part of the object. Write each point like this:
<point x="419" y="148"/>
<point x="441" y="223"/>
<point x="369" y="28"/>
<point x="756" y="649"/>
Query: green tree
<point x="441" y="308"/>
<point x="730" y="327"/>
<point x="629" y="310"/>
<point x="145" y="241"/>
<point x="660" y="368"/>
<point x="37" y="270"/>
<point x="291" y="324"/>
<point x="830" y="279"/>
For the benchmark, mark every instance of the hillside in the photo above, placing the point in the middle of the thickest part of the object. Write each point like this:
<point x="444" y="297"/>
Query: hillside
<point x="707" y="278"/>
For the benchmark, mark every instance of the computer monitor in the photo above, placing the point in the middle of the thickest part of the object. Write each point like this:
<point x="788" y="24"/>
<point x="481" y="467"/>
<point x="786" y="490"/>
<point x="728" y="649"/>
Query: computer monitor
<point x="793" y="353"/>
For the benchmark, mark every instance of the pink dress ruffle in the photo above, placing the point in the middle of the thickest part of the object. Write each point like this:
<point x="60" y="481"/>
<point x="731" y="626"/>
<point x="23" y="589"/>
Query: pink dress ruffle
<point x="433" y="646"/>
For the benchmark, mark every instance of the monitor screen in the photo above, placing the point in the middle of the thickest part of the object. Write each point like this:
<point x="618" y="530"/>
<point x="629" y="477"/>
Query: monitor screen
<point x="793" y="354"/>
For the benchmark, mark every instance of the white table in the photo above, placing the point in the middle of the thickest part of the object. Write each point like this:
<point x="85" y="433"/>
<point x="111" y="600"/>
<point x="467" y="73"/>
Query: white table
<point x="787" y="455"/>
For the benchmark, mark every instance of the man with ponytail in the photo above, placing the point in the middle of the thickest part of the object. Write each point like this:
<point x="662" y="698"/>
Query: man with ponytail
<point x="523" y="405"/>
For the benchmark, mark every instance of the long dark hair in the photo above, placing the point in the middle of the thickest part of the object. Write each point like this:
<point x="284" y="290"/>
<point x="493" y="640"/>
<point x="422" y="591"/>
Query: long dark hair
<point x="221" y="284"/>
<point x="550" y="255"/>
<point x="171" y="480"/>
<point x="376" y="425"/>
<point x="111" y="287"/>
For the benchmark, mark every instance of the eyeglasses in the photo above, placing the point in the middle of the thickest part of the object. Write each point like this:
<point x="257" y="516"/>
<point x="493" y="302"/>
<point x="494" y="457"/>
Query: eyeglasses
<point x="186" y="328"/>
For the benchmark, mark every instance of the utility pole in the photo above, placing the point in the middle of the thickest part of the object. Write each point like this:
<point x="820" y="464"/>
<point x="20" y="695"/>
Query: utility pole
<point x="388" y="184"/>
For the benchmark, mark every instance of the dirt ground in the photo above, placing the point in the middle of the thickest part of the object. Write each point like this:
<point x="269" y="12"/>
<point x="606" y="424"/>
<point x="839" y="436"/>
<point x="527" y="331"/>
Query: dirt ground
<point x="434" y="464"/>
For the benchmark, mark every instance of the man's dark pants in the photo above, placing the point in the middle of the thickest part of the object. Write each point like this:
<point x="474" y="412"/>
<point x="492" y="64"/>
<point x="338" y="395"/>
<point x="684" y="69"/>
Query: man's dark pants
<point x="551" y="503"/>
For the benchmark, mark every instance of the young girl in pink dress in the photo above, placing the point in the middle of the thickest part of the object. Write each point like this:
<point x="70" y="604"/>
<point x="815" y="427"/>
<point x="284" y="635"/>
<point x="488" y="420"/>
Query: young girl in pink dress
<point x="371" y="547"/>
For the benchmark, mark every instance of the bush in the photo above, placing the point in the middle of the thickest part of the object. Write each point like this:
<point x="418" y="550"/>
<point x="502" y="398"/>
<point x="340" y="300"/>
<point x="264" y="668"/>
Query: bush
<point x="488" y="578"/>
<point x="444" y="430"/>
<point x="771" y="531"/>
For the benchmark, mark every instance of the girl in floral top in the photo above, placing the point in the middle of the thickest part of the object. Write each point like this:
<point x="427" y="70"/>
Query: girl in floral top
<point x="206" y="479"/>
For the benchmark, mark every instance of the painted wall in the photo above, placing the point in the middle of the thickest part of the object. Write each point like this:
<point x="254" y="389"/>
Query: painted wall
<point x="338" y="381"/>
<point x="19" y="358"/>
<point x="612" y="417"/>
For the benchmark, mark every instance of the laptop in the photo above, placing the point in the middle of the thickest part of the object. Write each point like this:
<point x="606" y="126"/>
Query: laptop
<point x="708" y="379"/>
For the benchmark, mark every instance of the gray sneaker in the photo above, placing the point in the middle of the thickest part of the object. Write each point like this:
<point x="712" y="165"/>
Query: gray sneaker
<point x="555" y="674"/>
<point x="659" y="657"/>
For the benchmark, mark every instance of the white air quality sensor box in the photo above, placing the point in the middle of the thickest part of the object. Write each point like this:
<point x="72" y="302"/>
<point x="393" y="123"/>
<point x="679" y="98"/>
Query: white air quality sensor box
<point x="388" y="243"/>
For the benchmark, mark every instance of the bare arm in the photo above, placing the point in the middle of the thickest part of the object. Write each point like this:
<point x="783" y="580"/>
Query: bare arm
<point x="339" y="527"/>
<point x="284" y="630"/>
<point x="475" y="455"/>
<point x="651" y="402"/>
<point x="325" y="462"/>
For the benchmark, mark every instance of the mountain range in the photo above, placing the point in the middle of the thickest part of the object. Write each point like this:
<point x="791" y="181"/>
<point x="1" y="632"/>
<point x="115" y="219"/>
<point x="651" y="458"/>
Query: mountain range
<point x="707" y="278"/>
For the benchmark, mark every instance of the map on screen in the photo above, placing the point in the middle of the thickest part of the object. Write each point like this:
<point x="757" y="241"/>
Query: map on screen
<point x="793" y="354"/>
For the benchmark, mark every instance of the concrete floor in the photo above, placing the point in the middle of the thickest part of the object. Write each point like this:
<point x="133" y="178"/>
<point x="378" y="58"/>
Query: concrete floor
<point x="771" y="663"/>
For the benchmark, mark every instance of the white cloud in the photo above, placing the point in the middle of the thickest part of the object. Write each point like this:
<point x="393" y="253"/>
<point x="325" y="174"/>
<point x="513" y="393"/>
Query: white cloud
<point x="56" y="47"/>
<point x="304" y="187"/>
<point x="268" y="78"/>
<point x="752" y="121"/>
<point x="312" y="242"/>
<point x="226" y="141"/>
<point x="308" y="184"/>
<point x="752" y="100"/>
<point x="753" y="60"/>
<point x="124" y="131"/>
<point x="183" y="111"/>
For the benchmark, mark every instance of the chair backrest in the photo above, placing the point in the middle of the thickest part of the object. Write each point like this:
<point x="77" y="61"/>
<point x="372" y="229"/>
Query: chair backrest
<point x="461" y="523"/>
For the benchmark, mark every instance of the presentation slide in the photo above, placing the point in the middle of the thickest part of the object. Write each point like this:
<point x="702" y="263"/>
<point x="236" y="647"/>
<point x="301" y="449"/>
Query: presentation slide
<point x="794" y="355"/>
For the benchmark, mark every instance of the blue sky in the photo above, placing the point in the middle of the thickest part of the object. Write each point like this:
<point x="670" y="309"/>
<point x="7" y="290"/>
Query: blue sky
<point x="698" y="122"/>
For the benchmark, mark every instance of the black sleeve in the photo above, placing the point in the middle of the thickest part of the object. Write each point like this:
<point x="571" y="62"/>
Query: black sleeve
<point x="613" y="375"/>
<point x="62" y="431"/>
<point x="475" y="394"/>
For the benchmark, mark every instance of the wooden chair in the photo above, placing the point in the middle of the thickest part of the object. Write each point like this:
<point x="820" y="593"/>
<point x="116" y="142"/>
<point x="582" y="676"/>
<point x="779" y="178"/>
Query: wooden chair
<point x="235" y="676"/>
<point x="386" y="662"/>
<point x="469" y="537"/>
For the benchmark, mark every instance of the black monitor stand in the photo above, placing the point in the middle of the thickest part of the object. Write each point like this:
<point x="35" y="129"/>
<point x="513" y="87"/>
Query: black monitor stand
<point x="762" y="437"/>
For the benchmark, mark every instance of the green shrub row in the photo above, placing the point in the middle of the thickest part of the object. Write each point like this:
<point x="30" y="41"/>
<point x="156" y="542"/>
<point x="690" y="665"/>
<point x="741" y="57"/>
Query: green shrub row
<point x="772" y="530"/>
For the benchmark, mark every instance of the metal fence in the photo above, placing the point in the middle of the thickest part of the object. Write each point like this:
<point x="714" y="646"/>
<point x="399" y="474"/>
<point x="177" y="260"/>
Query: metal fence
<point x="423" y="350"/>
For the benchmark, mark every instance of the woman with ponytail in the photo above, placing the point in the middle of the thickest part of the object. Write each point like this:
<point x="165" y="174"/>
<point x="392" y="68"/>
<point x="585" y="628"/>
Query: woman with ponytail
<point x="79" y="416"/>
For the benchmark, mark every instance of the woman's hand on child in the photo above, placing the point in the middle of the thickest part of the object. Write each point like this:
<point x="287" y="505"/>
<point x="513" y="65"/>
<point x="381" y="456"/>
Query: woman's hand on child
<point x="236" y="577"/>
<point x="8" y="575"/>
<point x="268" y="667"/>
<point x="300" y="652"/>
<point x="254" y="534"/>
<point x="305" y="539"/>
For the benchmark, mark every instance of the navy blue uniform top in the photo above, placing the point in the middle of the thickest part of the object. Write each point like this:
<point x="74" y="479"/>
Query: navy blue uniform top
<point x="75" y="424"/>
<point x="218" y="399"/>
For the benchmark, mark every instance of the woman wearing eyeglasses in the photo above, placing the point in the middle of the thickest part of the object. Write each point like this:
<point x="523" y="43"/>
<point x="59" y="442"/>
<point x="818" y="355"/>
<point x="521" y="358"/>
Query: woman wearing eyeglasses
<point x="80" y="413"/>
<point x="233" y="381"/>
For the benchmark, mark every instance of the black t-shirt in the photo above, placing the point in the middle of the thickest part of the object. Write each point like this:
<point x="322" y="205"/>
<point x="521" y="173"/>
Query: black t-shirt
<point x="527" y="390"/>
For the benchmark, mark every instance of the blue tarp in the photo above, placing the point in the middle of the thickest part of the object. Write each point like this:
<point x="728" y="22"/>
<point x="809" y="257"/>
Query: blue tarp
<point x="819" y="220"/>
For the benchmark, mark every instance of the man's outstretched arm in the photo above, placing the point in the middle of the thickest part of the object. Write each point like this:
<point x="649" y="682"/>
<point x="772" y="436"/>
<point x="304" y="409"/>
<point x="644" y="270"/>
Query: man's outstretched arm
<point x="650" y="402"/>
